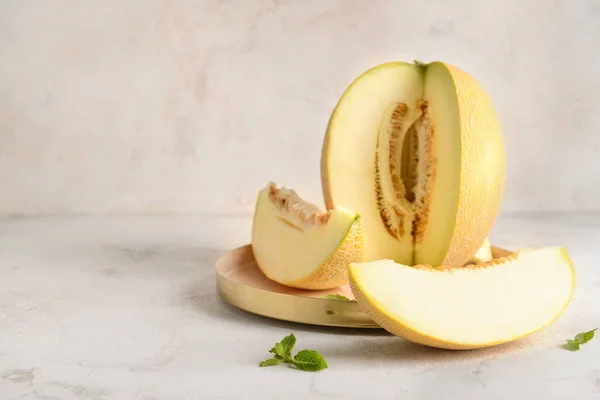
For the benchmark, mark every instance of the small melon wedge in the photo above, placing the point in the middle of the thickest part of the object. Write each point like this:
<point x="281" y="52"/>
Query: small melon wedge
<point x="297" y="245"/>
<point x="417" y="151"/>
<point x="467" y="307"/>
<point x="483" y="254"/>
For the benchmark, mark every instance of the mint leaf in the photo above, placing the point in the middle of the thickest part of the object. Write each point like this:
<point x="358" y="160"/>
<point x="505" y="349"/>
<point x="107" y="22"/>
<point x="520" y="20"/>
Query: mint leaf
<point x="305" y="360"/>
<point x="572" y="345"/>
<point x="580" y="338"/>
<point x="270" y="362"/>
<point x="277" y="350"/>
<point x="336" y="297"/>
<point x="310" y="360"/>
<point x="288" y="343"/>
<point x="284" y="348"/>
<point x="585" y="337"/>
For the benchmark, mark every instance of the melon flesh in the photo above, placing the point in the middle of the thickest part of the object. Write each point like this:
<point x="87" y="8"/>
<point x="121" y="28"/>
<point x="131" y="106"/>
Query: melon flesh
<point x="298" y="245"/>
<point x="417" y="151"/>
<point x="483" y="253"/>
<point x="470" y="307"/>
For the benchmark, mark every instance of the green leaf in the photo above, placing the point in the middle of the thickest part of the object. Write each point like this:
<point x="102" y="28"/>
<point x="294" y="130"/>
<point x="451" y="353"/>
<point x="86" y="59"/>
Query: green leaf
<point x="288" y="344"/>
<point x="336" y="297"/>
<point x="305" y="360"/>
<point x="580" y="338"/>
<point x="310" y="360"/>
<point x="277" y="350"/>
<point x="270" y="362"/>
<point x="572" y="345"/>
<point x="585" y="337"/>
<point x="284" y="348"/>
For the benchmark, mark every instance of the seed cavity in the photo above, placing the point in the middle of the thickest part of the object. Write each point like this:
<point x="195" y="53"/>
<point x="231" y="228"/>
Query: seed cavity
<point x="302" y="212"/>
<point x="426" y="171"/>
<point x="389" y="188"/>
<point x="405" y="169"/>
<point x="410" y="162"/>
<point x="395" y="143"/>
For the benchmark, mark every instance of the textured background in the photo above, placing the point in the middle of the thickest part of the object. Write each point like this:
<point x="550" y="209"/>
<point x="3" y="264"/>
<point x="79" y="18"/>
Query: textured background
<point x="192" y="106"/>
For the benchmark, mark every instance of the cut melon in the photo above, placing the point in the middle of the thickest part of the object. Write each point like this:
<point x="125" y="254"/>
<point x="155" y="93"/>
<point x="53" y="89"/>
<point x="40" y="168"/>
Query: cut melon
<point x="483" y="253"/>
<point x="467" y="307"/>
<point x="418" y="152"/>
<point x="297" y="245"/>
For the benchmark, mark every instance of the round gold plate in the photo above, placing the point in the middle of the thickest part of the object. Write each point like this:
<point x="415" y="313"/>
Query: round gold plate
<point x="241" y="284"/>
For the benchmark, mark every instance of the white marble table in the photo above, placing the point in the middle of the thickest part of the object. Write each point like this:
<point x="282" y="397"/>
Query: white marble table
<point x="125" y="308"/>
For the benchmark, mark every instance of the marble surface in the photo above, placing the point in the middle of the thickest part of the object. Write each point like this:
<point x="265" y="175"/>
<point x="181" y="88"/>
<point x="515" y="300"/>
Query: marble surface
<point x="131" y="107"/>
<point x="125" y="308"/>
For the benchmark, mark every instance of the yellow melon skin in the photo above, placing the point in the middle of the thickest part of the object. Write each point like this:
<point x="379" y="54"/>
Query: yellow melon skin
<point x="334" y="272"/>
<point x="467" y="307"/>
<point x="468" y="182"/>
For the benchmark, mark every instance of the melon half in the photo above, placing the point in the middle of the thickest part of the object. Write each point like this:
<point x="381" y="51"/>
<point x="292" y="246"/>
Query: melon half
<point x="298" y="245"/>
<point x="417" y="151"/>
<point x="469" y="307"/>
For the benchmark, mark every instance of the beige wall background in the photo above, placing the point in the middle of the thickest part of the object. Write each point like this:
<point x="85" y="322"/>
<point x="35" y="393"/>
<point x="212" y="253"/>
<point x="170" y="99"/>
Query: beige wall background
<point x="193" y="106"/>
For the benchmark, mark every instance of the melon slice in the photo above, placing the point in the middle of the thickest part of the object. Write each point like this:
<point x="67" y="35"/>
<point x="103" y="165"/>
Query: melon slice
<point x="469" y="307"/>
<point x="418" y="152"/>
<point x="298" y="245"/>
<point x="483" y="253"/>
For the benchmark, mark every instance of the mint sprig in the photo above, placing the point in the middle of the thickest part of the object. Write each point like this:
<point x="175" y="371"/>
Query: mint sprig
<point x="305" y="360"/>
<point x="580" y="338"/>
<point x="336" y="297"/>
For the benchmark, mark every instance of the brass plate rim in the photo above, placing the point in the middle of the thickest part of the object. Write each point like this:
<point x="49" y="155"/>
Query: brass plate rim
<point x="305" y="309"/>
